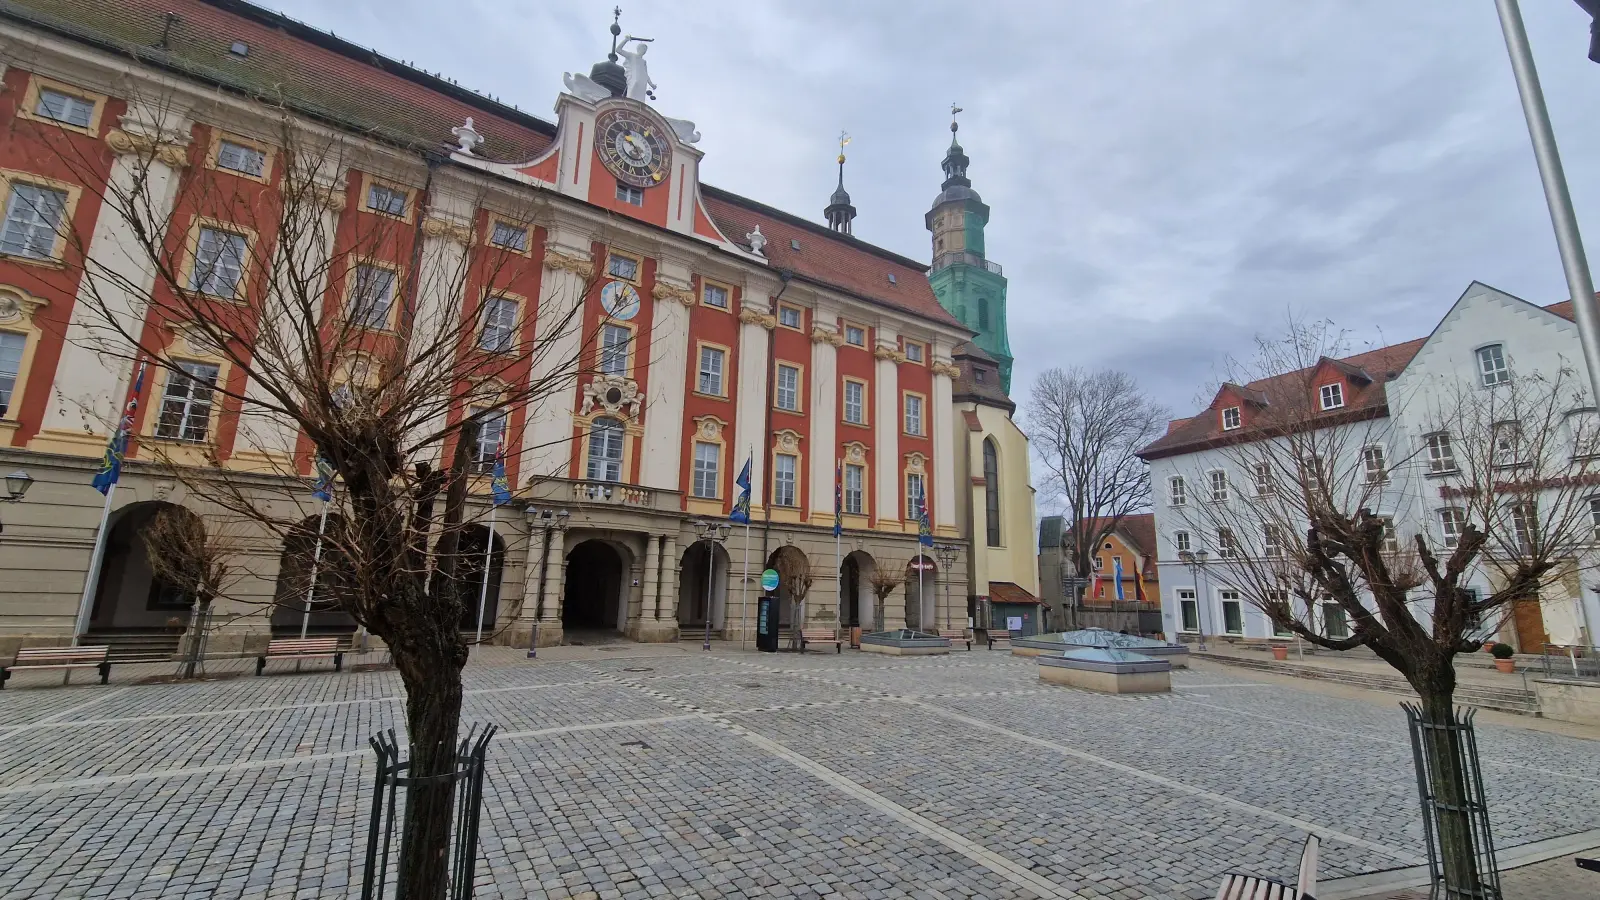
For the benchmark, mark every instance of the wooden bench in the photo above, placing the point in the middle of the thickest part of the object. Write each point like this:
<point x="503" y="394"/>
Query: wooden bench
<point x="821" y="636"/>
<point x="1250" y="887"/>
<point x="295" y="648"/>
<point x="958" y="635"/>
<point x="1001" y="636"/>
<point x="60" y="658"/>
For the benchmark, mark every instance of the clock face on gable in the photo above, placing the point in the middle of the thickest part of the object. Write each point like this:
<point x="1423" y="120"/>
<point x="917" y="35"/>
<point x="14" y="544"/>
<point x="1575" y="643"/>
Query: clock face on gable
<point x="633" y="146"/>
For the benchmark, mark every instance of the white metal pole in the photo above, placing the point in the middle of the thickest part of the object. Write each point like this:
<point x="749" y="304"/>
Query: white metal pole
<point x="838" y="590"/>
<point x="316" y="561"/>
<point x="488" y="557"/>
<point x="91" y="579"/>
<point x="922" y="599"/>
<point x="1580" y="286"/>
<point x="744" y="589"/>
<point x="711" y="561"/>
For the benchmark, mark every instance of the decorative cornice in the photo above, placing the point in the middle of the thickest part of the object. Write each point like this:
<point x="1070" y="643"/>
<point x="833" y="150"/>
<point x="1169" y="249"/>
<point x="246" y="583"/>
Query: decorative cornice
<point x="855" y="453"/>
<point x="664" y="291"/>
<point x="752" y="316"/>
<point x="946" y="370"/>
<point x="455" y="231"/>
<point x="820" y="335"/>
<point x="581" y="266"/>
<point x="17" y="305"/>
<point x="125" y="143"/>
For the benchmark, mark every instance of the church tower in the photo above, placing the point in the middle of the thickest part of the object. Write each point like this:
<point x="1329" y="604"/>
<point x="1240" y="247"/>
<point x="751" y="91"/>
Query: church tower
<point x="967" y="284"/>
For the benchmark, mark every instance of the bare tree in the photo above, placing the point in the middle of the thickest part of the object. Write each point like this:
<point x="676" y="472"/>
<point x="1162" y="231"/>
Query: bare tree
<point x="383" y="339"/>
<point x="1087" y="428"/>
<point x="885" y="580"/>
<point x="200" y="563"/>
<point x="1301" y="541"/>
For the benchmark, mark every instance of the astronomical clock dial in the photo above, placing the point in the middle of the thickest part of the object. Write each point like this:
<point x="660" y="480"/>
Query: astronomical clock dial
<point x="633" y="147"/>
<point x="619" y="300"/>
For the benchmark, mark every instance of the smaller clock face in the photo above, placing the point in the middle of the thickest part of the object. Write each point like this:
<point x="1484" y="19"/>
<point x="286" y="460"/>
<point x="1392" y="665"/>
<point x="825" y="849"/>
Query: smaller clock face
<point x="632" y="147"/>
<point x="619" y="300"/>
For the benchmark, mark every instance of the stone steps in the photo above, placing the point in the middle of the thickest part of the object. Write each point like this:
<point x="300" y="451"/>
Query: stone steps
<point x="1503" y="699"/>
<point x="136" y="646"/>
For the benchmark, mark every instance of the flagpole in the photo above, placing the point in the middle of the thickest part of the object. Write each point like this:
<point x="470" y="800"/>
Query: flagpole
<point x="488" y="551"/>
<point x="91" y="579"/>
<point x="316" y="561"/>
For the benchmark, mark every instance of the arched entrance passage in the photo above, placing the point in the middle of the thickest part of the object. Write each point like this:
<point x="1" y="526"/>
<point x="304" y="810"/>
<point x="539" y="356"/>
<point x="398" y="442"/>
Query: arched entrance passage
<point x="593" y="598"/>
<point x="128" y="597"/>
<point x="326" y="589"/>
<point x="922" y="594"/>
<point x="794" y="581"/>
<point x="692" y="594"/>
<point x="474" y="540"/>
<point x="855" y="591"/>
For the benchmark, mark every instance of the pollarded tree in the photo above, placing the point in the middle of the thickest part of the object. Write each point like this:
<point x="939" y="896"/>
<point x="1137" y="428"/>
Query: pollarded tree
<point x="1328" y="534"/>
<point x="885" y="580"/>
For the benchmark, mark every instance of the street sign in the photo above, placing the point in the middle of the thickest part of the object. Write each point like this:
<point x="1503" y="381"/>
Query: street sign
<point x="922" y="565"/>
<point x="769" y="580"/>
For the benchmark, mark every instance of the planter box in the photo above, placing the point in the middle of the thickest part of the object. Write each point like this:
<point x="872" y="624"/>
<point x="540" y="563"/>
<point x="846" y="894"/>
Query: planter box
<point x="905" y="642"/>
<point x="1099" y="638"/>
<point x="1108" y="671"/>
<point x="1568" y="701"/>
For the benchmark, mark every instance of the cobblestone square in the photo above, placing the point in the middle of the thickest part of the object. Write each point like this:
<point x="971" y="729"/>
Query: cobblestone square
<point x="655" y="772"/>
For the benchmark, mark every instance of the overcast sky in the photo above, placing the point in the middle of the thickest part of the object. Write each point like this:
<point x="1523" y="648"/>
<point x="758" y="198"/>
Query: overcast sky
<point x="1166" y="178"/>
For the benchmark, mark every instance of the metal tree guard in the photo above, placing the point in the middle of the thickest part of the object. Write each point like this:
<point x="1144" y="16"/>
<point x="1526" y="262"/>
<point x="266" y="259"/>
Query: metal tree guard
<point x="1454" y="744"/>
<point x="392" y="793"/>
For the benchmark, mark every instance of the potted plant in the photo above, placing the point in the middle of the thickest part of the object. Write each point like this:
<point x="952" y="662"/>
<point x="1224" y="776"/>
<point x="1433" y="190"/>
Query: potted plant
<point x="1280" y="652"/>
<point x="1502" y="657"/>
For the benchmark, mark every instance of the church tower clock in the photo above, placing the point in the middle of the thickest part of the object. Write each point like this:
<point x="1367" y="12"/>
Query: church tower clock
<point x="968" y="285"/>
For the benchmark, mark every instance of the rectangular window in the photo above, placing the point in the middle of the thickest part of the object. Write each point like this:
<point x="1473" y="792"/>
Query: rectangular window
<point x="1441" y="456"/>
<point x="1219" y="486"/>
<point x="499" y="324"/>
<point x="371" y="297"/>
<point x="855" y="410"/>
<point x="1584" y="427"/>
<point x="1227" y="544"/>
<point x="980" y="375"/>
<point x="855" y="336"/>
<point x="11" y="345"/>
<point x="705" y="469"/>
<point x="630" y="195"/>
<point x="605" y="450"/>
<point x="1508" y="445"/>
<point x="1232" y="612"/>
<point x="33" y="221"/>
<point x="1279" y="599"/>
<point x="387" y="200"/>
<point x="784" y="487"/>
<point x="1188" y="611"/>
<point x="240" y="158"/>
<point x="1230" y="418"/>
<point x="1335" y="622"/>
<point x="66" y="108"/>
<point x="787" y="393"/>
<point x="789" y="317"/>
<point x="913" y="414"/>
<point x="1180" y="541"/>
<point x="913" y="352"/>
<point x="1271" y="541"/>
<point x="1332" y="396"/>
<point x="854" y="477"/>
<point x="1375" y="464"/>
<point x="714" y="295"/>
<point x="1266" y="484"/>
<point x="490" y="435"/>
<point x="1524" y="524"/>
<point x="1492" y="368"/>
<point x="1177" y="491"/>
<point x="1594" y="504"/>
<point x="711" y="371"/>
<point x="916" y="497"/>
<point x="218" y="263"/>
<point x="623" y="267"/>
<point x="614" y="340"/>
<point x="186" y="403"/>
<point x="1452" y="522"/>
<point x="1391" y="538"/>
<point x="509" y="237"/>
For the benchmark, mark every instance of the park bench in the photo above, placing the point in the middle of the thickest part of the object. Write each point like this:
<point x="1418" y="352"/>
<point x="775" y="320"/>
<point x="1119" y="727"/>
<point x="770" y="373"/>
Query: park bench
<point x="60" y="658"/>
<point x="1001" y="636"/>
<point x="956" y="635"/>
<point x="1250" y="887"/>
<point x="296" y="648"/>
<point x="820" y="636"/>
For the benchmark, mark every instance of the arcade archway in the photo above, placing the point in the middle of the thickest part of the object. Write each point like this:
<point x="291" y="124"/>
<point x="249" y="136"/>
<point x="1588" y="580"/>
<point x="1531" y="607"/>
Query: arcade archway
<point x="794" y="581"/>
<point x="856" y="600"/>
<point x="594" y="594"/>
<point x="128" y="597"/>
<point x="474" y="539"/>
<point x="922" y="594"/>
<point x="314" y="567"/>
<point x="692" y="594"/>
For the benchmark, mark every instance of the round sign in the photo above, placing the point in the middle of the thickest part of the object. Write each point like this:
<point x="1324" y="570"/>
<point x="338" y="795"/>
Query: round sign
<point x="620" y="300"/>
<point x="769" y="580"/>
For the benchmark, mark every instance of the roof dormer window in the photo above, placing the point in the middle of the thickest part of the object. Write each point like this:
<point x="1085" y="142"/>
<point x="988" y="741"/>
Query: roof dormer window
<point x="1230" y="418"/>
<point x="1332" y="395"/>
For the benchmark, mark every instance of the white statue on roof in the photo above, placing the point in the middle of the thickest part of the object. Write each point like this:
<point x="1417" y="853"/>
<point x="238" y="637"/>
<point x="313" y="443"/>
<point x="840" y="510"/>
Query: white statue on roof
<point x="467" y="137"/>
<point x="757" y="241"/>
<point x="639" y="83"/>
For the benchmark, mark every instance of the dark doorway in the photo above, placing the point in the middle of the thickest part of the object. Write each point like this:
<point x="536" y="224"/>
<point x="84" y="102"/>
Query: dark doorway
<point x="593" y="594"/>
<point x="692" y="593"/>
<point x="128" y="596"/>
<point x="474" y="539"/>
<point x="850" y="592"/>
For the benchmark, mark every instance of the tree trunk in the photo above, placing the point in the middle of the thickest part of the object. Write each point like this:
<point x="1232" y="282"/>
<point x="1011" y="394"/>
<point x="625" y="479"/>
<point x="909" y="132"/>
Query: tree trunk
<point x="432" y="676"/>
<point x="1445" y="755"/>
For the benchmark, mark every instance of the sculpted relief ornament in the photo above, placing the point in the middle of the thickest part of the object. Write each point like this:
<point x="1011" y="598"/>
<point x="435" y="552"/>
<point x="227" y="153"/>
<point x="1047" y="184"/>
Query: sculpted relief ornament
<point x="614" y="394"/>
<point x="820" y="335"/>
<point x="946" y="370"/>
<point x="455" y="231"/>
<point x="581" y="266"/>
<point x="127" y="142"/>
<point x="788" y="441"/>
<point x="886" y="352"/>
<point x="709" y="428"/>
<point x="752" y="316"/>
<point x="855" y="453"/>
<point x="664" y="291"/>
<point x="916" y="462"/>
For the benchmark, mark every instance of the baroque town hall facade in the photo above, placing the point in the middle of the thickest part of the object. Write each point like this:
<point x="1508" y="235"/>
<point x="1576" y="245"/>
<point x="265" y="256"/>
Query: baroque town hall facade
<point x="722" y="330"/>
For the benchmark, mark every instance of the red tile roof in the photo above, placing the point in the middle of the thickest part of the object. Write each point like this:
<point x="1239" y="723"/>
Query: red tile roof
<point x="1009" y="592"/>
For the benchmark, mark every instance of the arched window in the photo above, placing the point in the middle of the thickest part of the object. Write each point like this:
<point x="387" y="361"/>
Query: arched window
<point x="991" y="491"/>
<point x="983" y="312"/>
<point x="605" y="450"/>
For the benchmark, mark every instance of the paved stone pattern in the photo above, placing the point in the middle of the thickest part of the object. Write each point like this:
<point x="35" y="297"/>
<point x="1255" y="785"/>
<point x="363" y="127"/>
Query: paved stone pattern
<point x="633" y="775"/>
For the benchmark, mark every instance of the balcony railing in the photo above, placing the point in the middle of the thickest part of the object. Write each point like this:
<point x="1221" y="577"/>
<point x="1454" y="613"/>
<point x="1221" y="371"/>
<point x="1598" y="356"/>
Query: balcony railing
<point x="611" y="493"/>
<point x="962" y="257"/>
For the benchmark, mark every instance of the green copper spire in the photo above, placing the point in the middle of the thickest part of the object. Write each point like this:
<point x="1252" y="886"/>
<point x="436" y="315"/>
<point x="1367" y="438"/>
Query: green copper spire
<point x="968" y="285"/>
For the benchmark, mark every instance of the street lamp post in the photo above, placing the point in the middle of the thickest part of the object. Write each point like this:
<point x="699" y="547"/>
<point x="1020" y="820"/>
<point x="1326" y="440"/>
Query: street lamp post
<point x="1195" y="562"/>
<point x="17" y="484"/>
<point x="947" y="560"/>
<point x="713" y="533"/>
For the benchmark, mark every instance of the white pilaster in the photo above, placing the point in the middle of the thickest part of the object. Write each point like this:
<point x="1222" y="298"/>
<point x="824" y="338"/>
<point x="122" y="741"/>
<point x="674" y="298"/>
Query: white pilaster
<point x="441" y="284"/>
<point x="668" y="608"/>
<point x="757" y="319"/>
<point x="944" y="443"/>
<point x="538" y="541"/>
<point x="824" y="420"/>
<point x="669" y="376"/>
<point x="547" y="440"/>
<point x="652" y="576"/>
<point x="555" y="568"/>
<point x="886" y="428"/>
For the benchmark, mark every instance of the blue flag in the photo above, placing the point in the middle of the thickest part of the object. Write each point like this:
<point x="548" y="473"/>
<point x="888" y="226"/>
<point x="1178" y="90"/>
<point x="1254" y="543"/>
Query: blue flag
<point x="111" y="464"/>
<point x="323" y="488"/>
<point x="1116" y="569"/>
<point x="741" y="506"/>
<point x="924" y="530"/>
<point x="838" y="499"/>
<point x="499" y="484"/>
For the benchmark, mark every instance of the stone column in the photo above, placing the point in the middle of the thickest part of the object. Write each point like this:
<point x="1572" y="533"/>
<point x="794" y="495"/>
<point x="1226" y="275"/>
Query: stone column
<point x="886" y="429"/>
<point x="527" y="616"/>
<point x="547" y="439"/>
<point x="555" y="567"/>
<point x="670" y="355"/>
<point x="944" y="448"/>
<point x="89" y="384"/>
<point x="667" y="610"/>
<point x="824" y="416"/>
<point x="750" y="439"/>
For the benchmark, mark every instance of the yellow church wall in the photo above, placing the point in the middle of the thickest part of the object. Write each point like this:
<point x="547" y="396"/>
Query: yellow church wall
<point x="1015" y="560"/>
